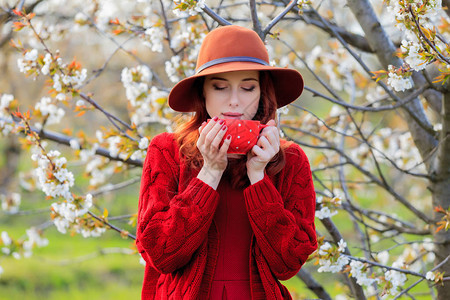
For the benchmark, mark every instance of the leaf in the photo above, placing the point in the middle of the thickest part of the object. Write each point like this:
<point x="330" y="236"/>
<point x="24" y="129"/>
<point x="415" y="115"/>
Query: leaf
<point x="18" y="26"/>
<point x="81" y="113"/>
<point x="105" y="213"/>
<point x="18" y="13"/>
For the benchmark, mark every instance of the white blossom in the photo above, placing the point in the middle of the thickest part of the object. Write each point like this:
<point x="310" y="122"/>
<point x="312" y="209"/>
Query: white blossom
<point x="323" y="250"/>
<point x="64" y="179"/>
<point x="11" y="204"/>
<point x="143" y="143"/>
<point x="31" y="55"/>
<point x="96" y="232"/>
<point x="153" y="38"/>
<point x="80" y="102"/>
<point x="61" y="97"/>
<point x="399" y="83"/>
<point x="99" y="136"/>
<point x="325" y="212"/>
<point x="193" y="10"/>
<point x="46" y="108"/>
<point x="56" y="83"/>
<point x="113" y="148"/>
<point x="342" y="245"/>
<point x="5" y="101"/>
<point x="47" y="62"/>
<point x="430" y="276"/>
<point x="327" y="265"/>
<point x="383" y="257"/>
<point x="61" y="224"/>
<point x="6" y="239"/>
<point x="74" y="144"/>
<point x="171" y="68"/>
<point x="35" y="238"/>
<point x="358" y="273"/>
<point x="413" y="58"/>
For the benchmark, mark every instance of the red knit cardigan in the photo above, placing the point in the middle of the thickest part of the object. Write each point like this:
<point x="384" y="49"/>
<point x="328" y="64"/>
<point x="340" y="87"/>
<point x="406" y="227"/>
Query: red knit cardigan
<point x="179" y="241"/>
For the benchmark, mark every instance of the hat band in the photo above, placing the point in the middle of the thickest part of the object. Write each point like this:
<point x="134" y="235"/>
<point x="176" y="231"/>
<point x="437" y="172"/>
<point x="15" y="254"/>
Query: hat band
<point x="231" y="59"/>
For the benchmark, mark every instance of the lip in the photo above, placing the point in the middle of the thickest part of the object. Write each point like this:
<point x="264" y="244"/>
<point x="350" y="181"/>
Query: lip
<point x="232" y="115"/>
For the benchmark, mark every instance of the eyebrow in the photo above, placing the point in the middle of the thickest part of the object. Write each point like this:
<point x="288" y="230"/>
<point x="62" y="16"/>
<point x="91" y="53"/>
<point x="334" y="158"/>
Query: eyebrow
<point x="245" y="79"/>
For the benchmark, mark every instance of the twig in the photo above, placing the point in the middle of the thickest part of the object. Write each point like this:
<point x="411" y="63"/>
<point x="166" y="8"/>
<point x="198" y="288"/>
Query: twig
<point x="388" y="188"/>
<point x="104" y="251"/>
<point x="65" y="140"/>
<point x="364" y="142"/>
<point x="111" y="225"/>
<point x="215" y="16"/>
<point x="383" y="266"/>
<point x="111" y="187"/>
<point x="423" y="278"/>
<point x="279" y="17"/>
<point x="426" y="126"/>
<point x="416" y="20"/>
<point x="256" y="24"/>
<point x="110" y="116"/>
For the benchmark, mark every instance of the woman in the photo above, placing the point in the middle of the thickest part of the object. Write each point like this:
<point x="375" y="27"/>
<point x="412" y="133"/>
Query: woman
<point x="212" y="226"/>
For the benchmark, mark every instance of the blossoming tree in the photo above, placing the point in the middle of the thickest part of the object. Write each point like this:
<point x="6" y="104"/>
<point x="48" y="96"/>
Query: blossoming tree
<point x="376" y="76"/>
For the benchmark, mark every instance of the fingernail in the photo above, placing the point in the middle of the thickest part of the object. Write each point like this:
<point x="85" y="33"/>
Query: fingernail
<point x="221" y="122"/>
<point x="215" y="118"/>
<point x="229" y="137"/>
<point x="224" y="127"/>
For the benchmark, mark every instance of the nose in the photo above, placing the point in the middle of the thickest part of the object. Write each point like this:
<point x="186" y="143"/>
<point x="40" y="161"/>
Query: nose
<point x="234" y="98"/>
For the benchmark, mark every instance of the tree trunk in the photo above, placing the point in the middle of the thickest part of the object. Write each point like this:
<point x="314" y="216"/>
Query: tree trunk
<point x="11" y="154"/>
<point x="440" y="187"/>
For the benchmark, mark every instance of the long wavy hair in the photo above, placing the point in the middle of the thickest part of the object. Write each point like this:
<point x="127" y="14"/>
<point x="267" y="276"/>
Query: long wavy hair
<point x="187" y="133"/>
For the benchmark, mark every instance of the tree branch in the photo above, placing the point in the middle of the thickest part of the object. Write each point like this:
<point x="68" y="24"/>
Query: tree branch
<point x="256" y="24"/>
<point x="313" y="285"/>
<point x="65" y="140"/>
<point x="278" y="18"/>
<point x="215" y="16"/>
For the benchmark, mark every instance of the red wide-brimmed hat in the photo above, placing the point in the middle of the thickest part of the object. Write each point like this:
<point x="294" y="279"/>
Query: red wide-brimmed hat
<point x="235" y="48"/>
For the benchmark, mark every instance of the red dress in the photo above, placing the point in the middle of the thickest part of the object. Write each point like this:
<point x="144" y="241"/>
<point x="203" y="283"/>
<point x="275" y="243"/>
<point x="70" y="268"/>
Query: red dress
<point x="232" y="273"/>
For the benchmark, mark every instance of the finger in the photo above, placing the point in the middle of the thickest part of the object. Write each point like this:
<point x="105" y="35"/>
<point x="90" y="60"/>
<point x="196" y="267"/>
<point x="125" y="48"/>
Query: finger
<point x="271" y="123"/>
<point x="200" y="129"/>
<point x="260" y="153"/>
<point x="226" y="144"/>
<point x="204" y="131"/>
<point x="273" y="137"/>
<point x="213" y="133"/>
<point x="264" y="143"/>
<point x="219" y="137"/>
<point x="272" y="134"/>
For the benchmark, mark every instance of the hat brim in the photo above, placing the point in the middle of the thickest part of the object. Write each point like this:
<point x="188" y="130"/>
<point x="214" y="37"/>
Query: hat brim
<point x="288" y="84"/>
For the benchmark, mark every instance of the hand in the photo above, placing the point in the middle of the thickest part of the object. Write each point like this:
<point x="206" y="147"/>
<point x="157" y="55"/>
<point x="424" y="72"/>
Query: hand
<point x="214" y="156"/>
<point x="266" y="148"/>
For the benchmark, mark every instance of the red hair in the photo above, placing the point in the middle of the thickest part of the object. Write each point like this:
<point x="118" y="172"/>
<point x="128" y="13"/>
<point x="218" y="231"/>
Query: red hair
<point x="187" y="133"/>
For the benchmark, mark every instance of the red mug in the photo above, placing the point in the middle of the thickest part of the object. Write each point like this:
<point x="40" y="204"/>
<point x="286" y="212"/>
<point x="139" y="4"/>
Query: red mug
<point x="244" y="134"/>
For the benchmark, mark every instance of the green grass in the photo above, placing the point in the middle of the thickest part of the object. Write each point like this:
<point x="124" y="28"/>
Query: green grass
<point x="60" y="271"/>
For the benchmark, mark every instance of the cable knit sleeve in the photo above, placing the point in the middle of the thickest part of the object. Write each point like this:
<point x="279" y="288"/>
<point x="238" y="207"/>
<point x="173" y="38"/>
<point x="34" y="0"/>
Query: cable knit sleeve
<point x="283" y="219"/>
<point x="171" y="225"/>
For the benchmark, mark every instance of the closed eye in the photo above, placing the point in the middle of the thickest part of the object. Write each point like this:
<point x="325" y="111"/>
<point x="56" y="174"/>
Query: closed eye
<point x="218" y="88"/>
<point x="249" y="89"/>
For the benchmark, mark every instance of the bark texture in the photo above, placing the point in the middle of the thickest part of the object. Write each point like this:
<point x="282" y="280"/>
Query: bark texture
<point x="440" y="188"/>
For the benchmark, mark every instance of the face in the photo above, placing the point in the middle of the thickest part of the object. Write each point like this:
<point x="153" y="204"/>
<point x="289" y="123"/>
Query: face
<point x="232" y="95"/>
